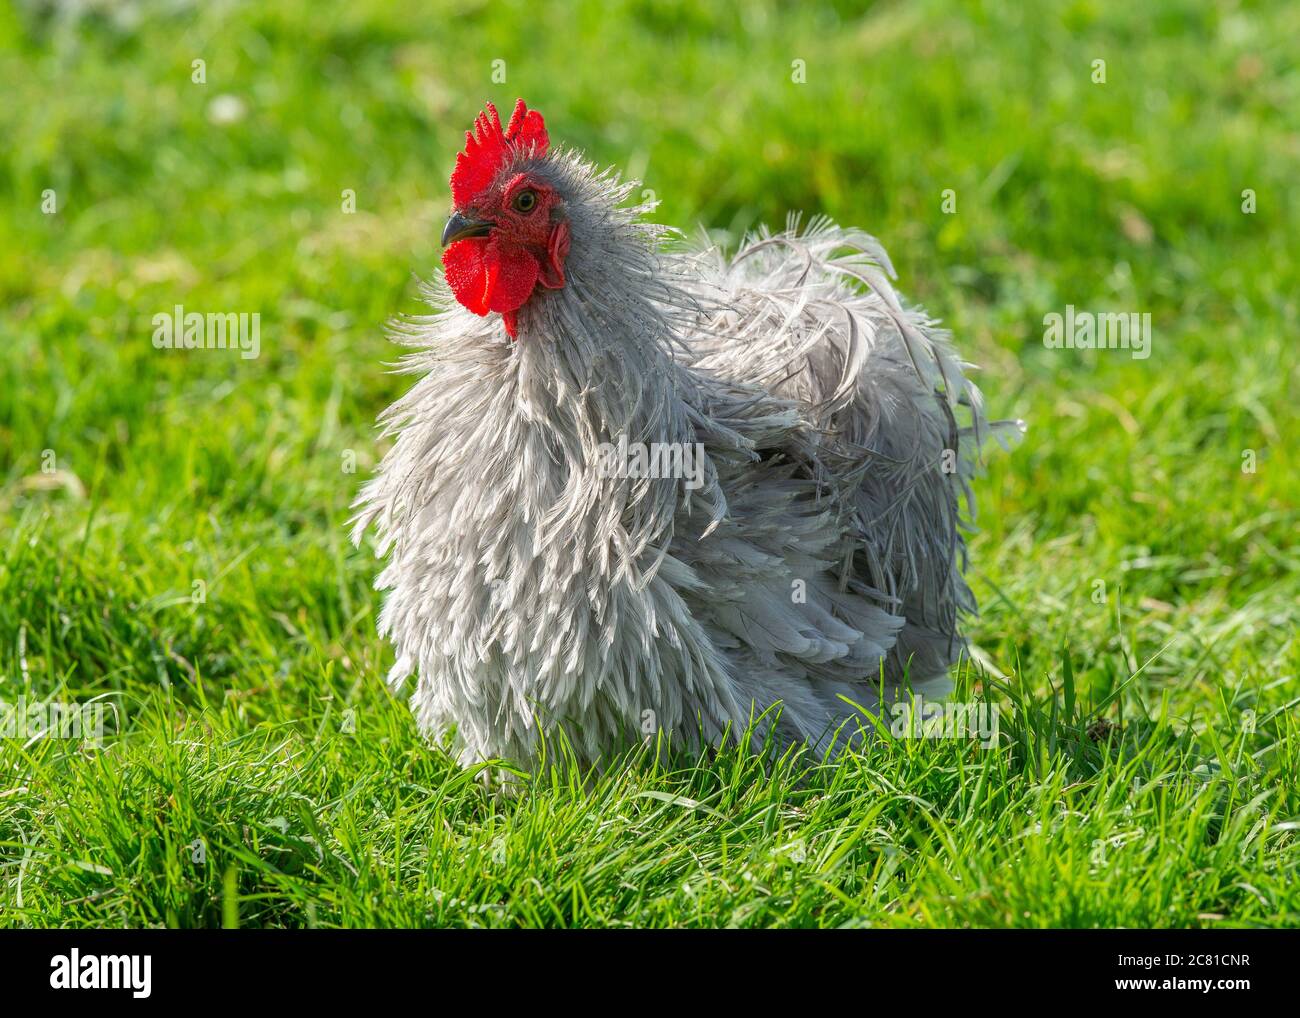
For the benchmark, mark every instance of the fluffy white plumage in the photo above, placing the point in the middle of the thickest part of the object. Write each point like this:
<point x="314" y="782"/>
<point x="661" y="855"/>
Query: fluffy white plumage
<point x="817" y="565"/>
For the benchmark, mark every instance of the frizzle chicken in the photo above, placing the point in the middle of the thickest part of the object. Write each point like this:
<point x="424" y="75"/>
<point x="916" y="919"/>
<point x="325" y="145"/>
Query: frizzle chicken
<point x="641" y="487"/>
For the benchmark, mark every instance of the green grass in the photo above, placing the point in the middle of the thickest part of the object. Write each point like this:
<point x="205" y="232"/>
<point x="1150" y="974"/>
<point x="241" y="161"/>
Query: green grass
<point x="264" y="776"/>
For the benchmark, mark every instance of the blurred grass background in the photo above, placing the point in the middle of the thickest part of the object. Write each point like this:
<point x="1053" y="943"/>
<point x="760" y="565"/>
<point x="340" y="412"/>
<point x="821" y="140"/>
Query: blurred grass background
<point x="227" y="196"/>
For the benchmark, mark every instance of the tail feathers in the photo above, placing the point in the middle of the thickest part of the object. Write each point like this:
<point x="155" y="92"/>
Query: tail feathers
<point x="897" y="426"/>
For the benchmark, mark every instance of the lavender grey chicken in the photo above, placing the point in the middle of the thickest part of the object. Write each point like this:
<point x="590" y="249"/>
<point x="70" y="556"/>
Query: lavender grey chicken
<point x="644" y="487"/>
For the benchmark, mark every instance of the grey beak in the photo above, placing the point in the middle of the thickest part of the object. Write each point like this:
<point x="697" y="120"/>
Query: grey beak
<point x="458" y="227"/>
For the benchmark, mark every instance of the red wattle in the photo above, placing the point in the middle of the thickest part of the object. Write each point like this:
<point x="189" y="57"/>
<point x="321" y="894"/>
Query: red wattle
<point x="487" y="276"/>
<point x="462" y="261"/>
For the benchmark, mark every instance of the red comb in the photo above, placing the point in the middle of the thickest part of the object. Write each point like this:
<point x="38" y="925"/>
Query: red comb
<point x="488" y="147"/>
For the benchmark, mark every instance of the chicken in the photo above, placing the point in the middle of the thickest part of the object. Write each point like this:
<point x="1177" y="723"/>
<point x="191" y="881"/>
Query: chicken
<point x="643" y="489"/>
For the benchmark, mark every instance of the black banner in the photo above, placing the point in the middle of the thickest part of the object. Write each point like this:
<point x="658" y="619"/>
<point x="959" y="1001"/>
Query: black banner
<point x="161" y="967"/>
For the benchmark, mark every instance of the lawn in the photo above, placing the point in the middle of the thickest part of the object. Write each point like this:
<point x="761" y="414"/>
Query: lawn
<point x="173" y="524"/>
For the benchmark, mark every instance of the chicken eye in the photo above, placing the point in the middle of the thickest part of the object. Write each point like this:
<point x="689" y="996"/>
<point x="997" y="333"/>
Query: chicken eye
<point x="525" y="201"/>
